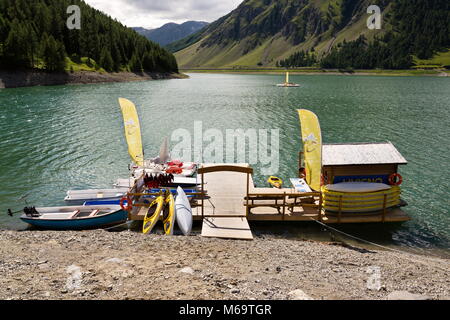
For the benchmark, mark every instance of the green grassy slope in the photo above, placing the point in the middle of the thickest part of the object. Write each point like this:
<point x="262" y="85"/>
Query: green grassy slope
<point x="263" y="32"/>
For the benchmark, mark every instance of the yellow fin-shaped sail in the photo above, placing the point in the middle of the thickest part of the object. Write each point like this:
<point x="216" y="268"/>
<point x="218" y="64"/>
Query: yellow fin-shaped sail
<point x="312" y="147"/>
<point x="132" y="131"/>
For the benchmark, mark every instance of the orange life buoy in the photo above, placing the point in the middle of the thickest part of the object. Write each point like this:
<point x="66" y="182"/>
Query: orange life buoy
<point x="395" y="179"/>
<point x="129" y="205"/>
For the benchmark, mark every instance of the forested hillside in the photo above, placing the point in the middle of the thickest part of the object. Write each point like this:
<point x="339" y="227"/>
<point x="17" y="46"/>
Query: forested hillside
<point x="34" y="35"/>
<point x="323" y="33"/>
<point x="419" y="28"/>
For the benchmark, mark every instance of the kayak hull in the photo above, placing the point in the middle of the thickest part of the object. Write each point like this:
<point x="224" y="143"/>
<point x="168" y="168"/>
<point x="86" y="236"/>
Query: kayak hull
<point x="169" y="215"/>
<point x="183" y="212"/>
<point x="151" y="218"/>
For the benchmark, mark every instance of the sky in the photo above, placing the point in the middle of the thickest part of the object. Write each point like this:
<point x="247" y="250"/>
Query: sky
<point x="155" y="13"/>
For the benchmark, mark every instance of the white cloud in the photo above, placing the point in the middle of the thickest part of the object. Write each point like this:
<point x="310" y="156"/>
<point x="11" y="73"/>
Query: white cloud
<point x="155" y="13"/>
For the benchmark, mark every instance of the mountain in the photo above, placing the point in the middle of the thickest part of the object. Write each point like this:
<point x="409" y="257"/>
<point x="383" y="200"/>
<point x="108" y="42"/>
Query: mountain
<point x="171" y="32"/>
<point x="329" y="33"/>
<point x="34" y="35"/>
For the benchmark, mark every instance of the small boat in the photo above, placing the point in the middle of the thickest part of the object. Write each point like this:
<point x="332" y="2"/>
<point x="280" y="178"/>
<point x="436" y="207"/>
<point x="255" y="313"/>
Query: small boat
<point x="183" y="212"/>
<point x="183" y="182"/>
<point x="153" y="214"/>
<point x="74" y="217"/>
<point x="169" y="214"/>
<point x="78" y="197"/>
<point x="288" y="84"/>
<point x="275" y="182"/>
<point x="116" y="202"/>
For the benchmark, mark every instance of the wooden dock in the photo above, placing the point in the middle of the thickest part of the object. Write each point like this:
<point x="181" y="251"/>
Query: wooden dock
<point x="233" y="200"/>
<point x="223" y="214"/>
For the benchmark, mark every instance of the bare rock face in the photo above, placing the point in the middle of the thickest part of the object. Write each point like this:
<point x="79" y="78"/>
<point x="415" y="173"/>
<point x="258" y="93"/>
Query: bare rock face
<point x="405" y="295"/>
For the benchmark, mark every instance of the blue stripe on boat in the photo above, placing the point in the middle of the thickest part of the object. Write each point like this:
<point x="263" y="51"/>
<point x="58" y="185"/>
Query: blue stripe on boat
<point x="110" y="219"/>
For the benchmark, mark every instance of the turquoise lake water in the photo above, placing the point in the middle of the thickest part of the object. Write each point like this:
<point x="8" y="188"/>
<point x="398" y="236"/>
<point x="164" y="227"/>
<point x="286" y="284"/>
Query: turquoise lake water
<point x="71" y="137"/>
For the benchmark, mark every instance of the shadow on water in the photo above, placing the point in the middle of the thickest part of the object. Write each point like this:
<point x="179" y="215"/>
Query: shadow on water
<point x="362" y="237"/>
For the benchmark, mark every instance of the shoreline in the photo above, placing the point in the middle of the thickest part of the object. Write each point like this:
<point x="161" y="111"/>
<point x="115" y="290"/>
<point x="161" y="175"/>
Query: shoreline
<point x="394" y="73"/>
<point x="17" y="79"/>
<point x="129" y="265"/>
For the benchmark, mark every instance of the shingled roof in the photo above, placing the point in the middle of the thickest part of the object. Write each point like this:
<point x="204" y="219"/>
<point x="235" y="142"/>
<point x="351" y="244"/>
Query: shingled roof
<point x="361" y="154"/>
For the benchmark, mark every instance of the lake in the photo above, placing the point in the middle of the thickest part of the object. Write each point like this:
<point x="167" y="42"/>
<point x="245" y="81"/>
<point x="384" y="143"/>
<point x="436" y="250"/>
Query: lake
<point x="71" y="137"/>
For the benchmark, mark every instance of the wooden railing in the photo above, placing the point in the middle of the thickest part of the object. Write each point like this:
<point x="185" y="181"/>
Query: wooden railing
<point x="280" y="201"/>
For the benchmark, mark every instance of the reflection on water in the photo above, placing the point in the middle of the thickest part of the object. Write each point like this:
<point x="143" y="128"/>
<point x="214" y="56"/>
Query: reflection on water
<point x="71" y="137"/>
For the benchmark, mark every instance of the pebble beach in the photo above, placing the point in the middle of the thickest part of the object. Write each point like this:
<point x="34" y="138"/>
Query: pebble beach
<point x="125" y="265"/>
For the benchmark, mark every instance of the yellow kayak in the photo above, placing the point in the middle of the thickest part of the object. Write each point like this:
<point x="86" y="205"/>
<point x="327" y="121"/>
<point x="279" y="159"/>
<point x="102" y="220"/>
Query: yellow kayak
<point x="275" y="182"/>
<point x="152" y="217"/>
<point x="169" y="214"/>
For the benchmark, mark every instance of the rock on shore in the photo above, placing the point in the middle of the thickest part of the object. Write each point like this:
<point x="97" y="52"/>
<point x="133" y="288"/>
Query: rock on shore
<point x="129" y="265"/>
<point x="14" y="79"/>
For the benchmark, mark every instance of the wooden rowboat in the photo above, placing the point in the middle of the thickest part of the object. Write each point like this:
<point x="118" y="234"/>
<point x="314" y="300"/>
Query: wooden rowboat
<point x="74" y="217"/>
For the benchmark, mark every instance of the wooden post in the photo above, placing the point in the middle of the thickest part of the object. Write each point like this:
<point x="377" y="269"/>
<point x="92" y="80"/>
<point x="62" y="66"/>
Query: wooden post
<point x="340" y="209"/>
<point x="248" y="191"/>
<point x="320" y="207"/>
<point x="384" y="208"/>
<point x="284" y="205"/>
<point x="203" y="198"/>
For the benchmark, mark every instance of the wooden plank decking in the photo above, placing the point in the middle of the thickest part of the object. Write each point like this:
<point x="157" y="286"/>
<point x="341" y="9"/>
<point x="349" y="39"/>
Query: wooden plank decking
<point x="225" y="210"/>
<point x="228" y="228"/>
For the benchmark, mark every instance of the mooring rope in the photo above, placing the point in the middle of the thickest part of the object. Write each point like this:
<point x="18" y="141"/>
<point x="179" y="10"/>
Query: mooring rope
<point x="386" y="248"/>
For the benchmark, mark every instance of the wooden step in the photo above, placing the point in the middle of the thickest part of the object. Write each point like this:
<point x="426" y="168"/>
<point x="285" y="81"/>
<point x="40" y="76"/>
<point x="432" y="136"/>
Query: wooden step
<point x="227" y="228"/>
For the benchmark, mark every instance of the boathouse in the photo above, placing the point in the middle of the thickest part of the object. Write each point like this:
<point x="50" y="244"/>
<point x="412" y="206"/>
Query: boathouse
<point x="360" y="162"/>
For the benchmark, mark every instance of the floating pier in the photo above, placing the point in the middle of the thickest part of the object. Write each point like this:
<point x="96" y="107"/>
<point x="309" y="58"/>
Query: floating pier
<point x="232" y="201"/>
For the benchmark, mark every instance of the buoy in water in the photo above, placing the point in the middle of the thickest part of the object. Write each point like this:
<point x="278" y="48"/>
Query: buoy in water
<point x="275" y="182"/>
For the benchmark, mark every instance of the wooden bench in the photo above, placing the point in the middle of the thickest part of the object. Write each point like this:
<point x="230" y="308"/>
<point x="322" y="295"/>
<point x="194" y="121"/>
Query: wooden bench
<point x="94" y="213"/>
<point x="282" y="199"/>
<point x="74" y="214"/>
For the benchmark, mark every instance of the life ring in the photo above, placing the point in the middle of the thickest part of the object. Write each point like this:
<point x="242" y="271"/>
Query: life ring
<point x="174" y="170"/>
<point x="129" y="205"/>
<point x="303" y="173"/>
<point x="395" y="179"/>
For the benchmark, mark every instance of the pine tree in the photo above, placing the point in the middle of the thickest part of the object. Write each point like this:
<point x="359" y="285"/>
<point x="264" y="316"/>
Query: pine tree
<point x="35" y="31"/>
<point x="106" y="61"/>
<point x="54" y="55"/>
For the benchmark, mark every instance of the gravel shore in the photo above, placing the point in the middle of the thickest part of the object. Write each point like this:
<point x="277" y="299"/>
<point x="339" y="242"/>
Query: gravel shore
<point x="129" y="265"/>
<point x="15" y="79"/>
